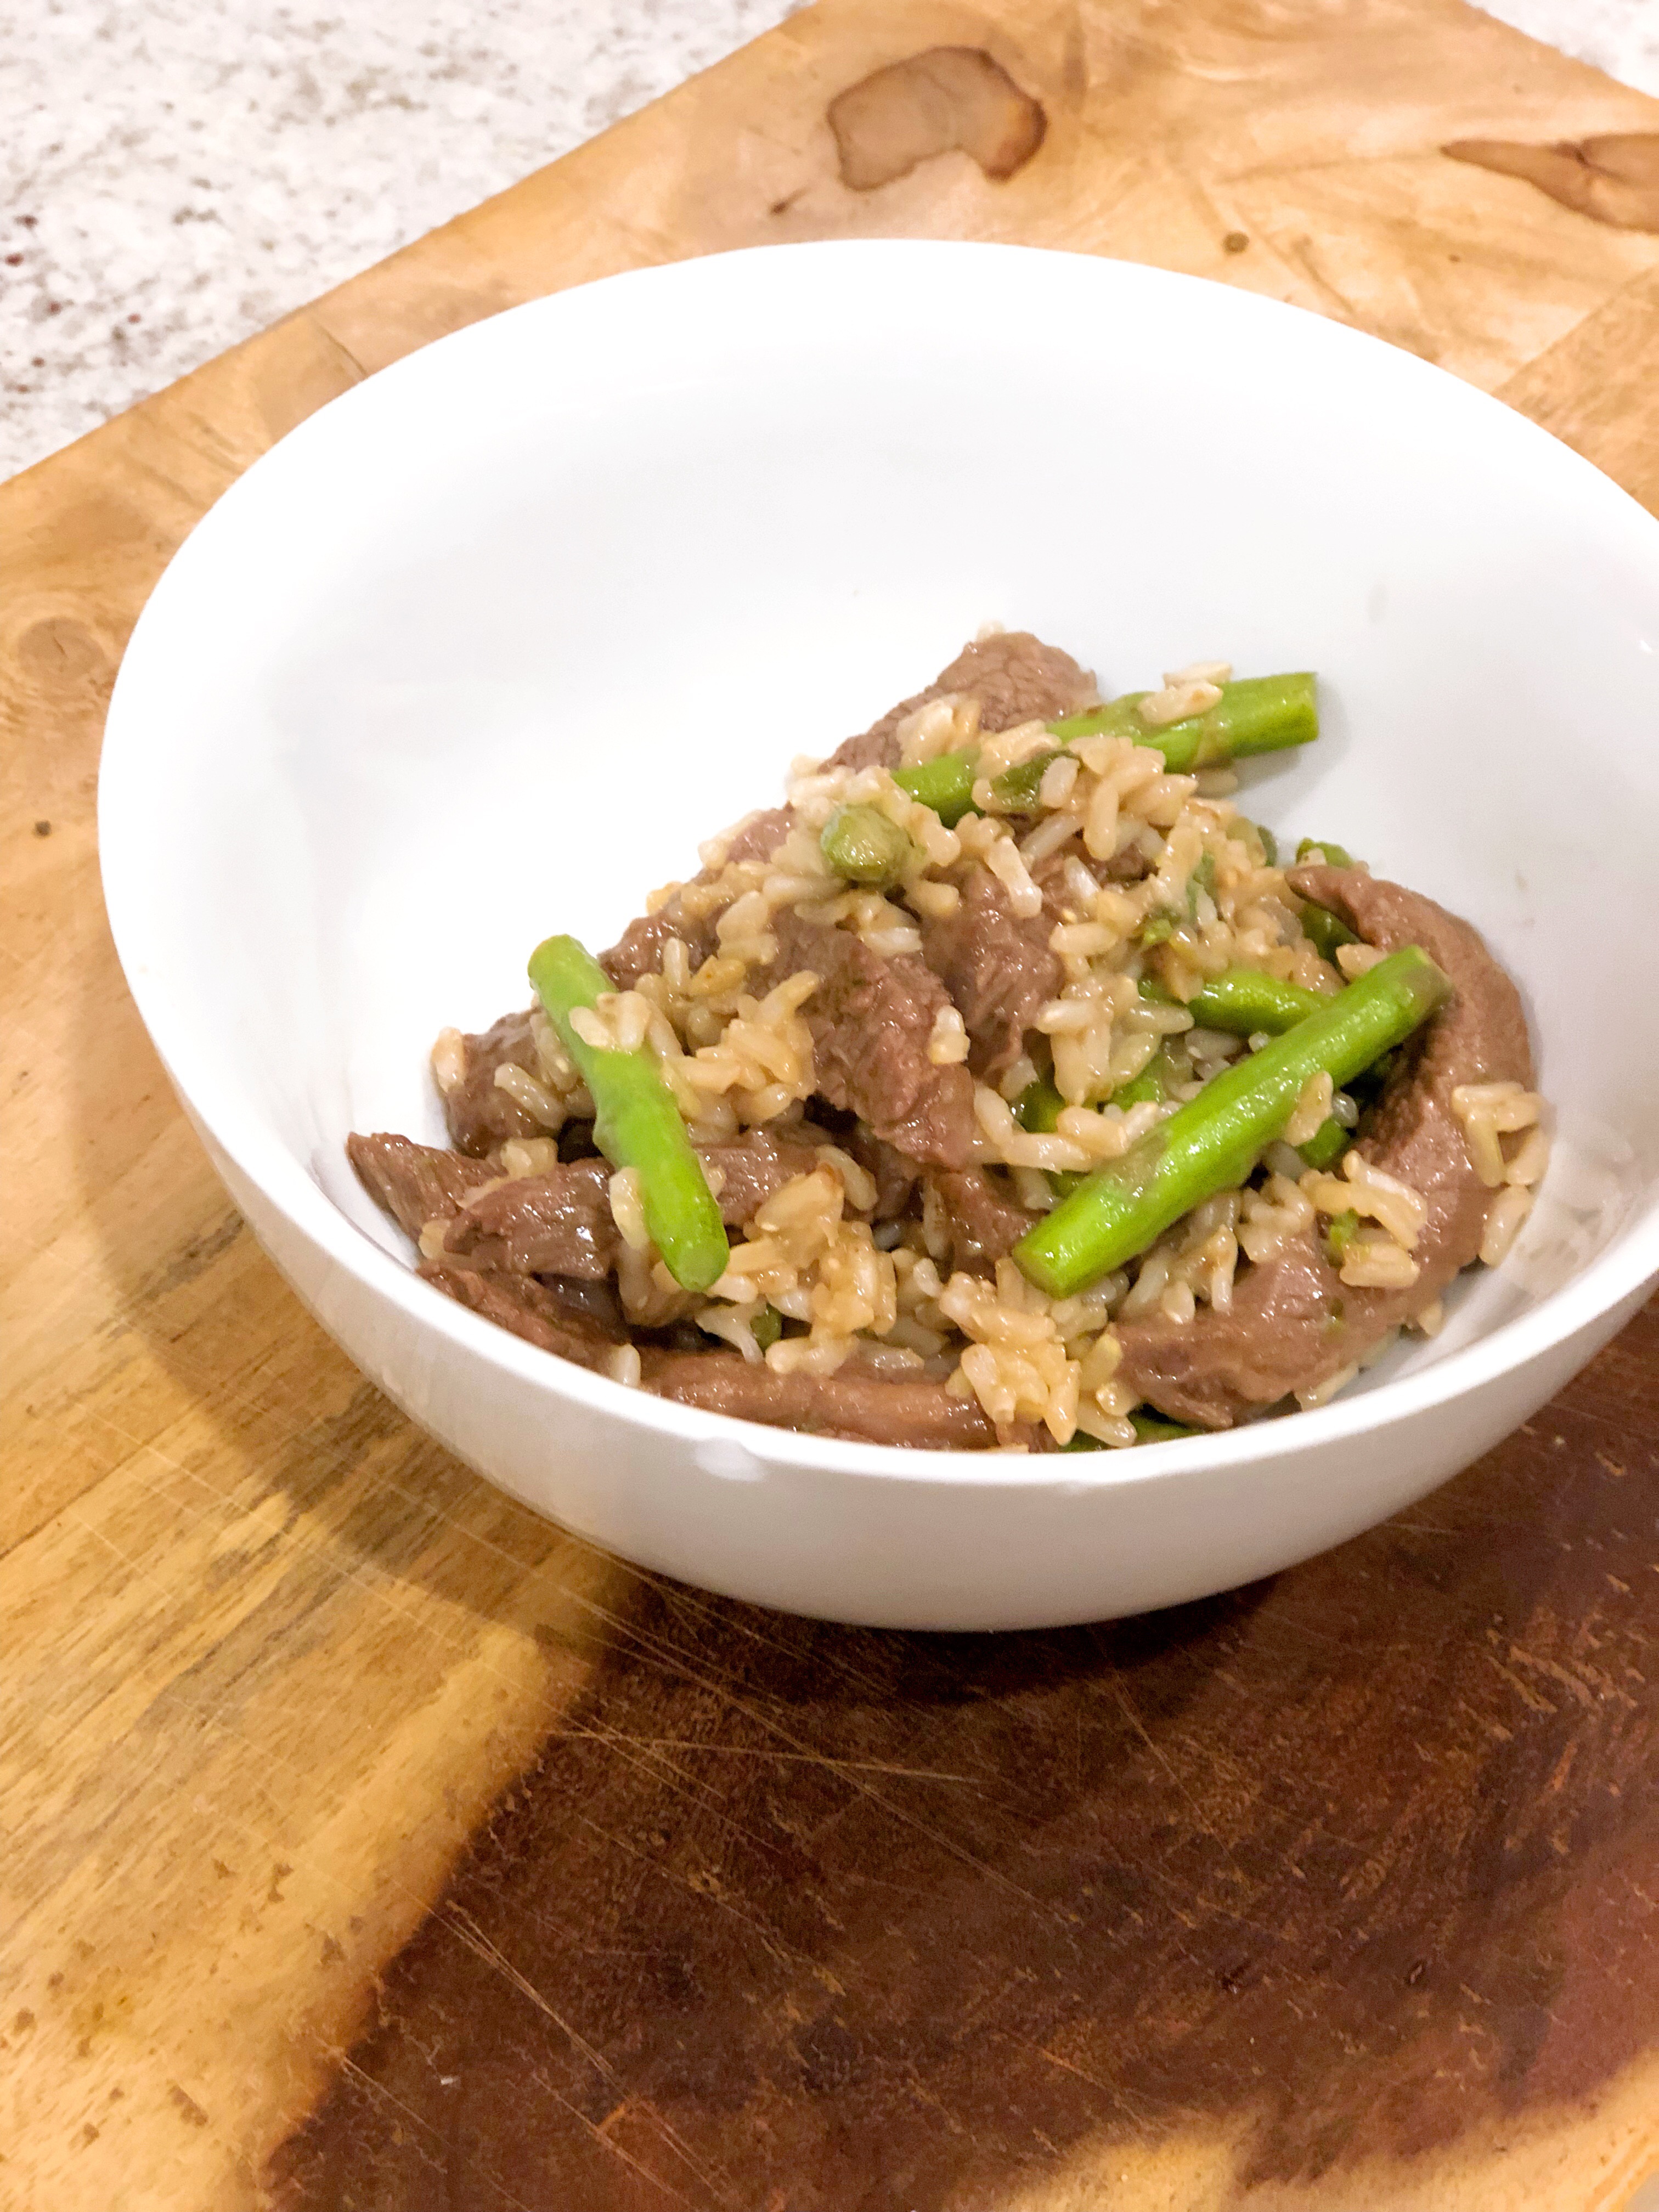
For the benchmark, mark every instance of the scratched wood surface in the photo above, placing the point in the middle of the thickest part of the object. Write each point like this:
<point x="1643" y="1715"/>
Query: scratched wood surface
<point x="367" y="1842"/>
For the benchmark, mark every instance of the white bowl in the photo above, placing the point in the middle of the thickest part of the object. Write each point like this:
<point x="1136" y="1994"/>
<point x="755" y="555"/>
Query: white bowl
<point x="483" y="649"/>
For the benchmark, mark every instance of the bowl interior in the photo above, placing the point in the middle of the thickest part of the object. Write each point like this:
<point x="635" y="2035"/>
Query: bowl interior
<point x="485" y="648"/>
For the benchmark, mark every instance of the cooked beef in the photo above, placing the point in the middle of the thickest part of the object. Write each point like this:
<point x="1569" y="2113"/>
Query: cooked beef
<point x="759" y="835"/>
<point x="997" y="967"/>
<point x="557" y="1224"/>
<point x="638" y="951"/>
<point x="758" y="1164"/>
<point x="587" y="1302"/>
<point x="480" y="1114"/>
<point x="871" y="1019"/>
<point x="982" y="1224"/>
<point x="1016" y="677"/>
<point x="532" y="1310"/>
<point x="852" y="1403"/>
<point x="855" y="1404"/>
<point x="415" y="1183"/>
<point x="1293" y="1323"/>
<point x="895" y="1175"/>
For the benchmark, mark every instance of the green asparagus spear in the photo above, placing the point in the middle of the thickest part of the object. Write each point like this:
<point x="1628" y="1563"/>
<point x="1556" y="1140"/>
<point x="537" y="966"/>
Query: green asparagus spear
<point x="1324" y="932"/>
<point x="1213" y="1143"/>
<point x="767" y="1327"/>
<point x="1151" y="1086"/>
<point x="1153" y="1429"/>
<point x="1326" y="1145"/>
<point x="1244" y="1001"/>
<point x="637" y="1123"/>
<point x="945" y="783"/>
<point x="1256" y="715"/>
<point x="1039" y="1105"/>
<point x="1038" y="1109"/>
<point x="1339" y="1233"/>
<point x="864" y="846"/>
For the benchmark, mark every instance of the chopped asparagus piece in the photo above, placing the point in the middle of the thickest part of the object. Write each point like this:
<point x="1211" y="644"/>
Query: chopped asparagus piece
<point x="1256" y="715"/>
<point x="1326" y="1145"/>
<point x="1213" y="1143"/>
<point x="767" y="1327"/>
<point x="637" y="1123"/>
<point x="1153" y="1429"/>
<point x="1339" y="1234"/>
<point x="1325" y="932"/>
<point x="946" y="784"/>
<point x="1244" y="1001"/>
<point x="1149" y="1087"/>
<point x="1038" y="1107"/>
<point x="864" y="846"/>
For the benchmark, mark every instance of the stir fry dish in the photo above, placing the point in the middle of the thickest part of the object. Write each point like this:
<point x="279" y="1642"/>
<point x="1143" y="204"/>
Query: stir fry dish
<point x="1006" y="1088"/>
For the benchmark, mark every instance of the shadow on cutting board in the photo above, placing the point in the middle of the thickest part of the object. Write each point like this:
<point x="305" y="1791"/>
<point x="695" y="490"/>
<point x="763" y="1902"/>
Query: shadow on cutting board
<point x="1337" y="1869"/>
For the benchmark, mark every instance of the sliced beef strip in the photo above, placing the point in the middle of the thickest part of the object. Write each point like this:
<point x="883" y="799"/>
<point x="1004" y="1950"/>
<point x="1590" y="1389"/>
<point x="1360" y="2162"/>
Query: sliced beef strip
<point x="871" y="1019"/>
<point x="852" y="1403"/>
<point x="480" y="1115"/>
<point x="982" y="1224"/>
<point x="639" y="951"/>
<point x="415" y="1183"/>
<point x="532" y="1310"/>
<point x="557" y="1224"/>
<point x="758" y="1164"/>
<point x="855" y="1404"/>
<point x="996" y="965"/>
<point x="1293" y="1323"/>
<point x="1016" y="677"/>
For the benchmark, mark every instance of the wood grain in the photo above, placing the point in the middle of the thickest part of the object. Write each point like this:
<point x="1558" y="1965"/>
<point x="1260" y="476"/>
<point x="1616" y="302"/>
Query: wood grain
<point x="948" y="100"/>
<point x="769" y="1914"/>
<point x="1315" y="1879"/>
<point x="1614" y="178"/>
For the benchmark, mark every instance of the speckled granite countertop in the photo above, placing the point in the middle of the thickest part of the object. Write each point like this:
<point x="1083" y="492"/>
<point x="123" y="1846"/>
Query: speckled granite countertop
<point x="178" y="174"/>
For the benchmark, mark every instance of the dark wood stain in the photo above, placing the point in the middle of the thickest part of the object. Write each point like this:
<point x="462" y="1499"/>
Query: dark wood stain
<point x="946" y="100"/>
<point x="812" y="1917"/>
<point x="1614" y="178"/>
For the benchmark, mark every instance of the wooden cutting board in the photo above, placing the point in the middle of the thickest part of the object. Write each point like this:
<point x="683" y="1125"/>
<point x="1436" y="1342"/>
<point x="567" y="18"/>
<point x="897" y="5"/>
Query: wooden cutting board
<point x="367" y="1842"/>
